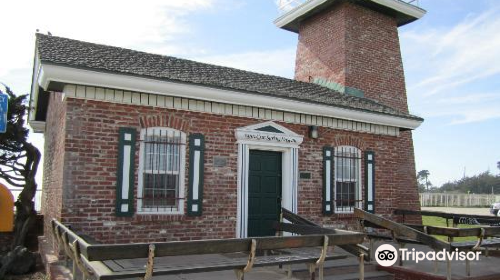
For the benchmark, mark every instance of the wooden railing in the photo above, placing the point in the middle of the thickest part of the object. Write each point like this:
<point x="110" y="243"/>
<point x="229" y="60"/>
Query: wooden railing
<point x="422" y="234"/>
<point x="300" y="225"/>
<point x="454" y="217"/>
<point x="97" y="260"/>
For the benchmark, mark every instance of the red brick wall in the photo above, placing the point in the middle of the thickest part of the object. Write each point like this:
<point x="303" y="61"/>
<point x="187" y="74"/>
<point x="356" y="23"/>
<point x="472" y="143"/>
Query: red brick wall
<point x="54" y="161"/>
<point x="321" y="48"/>
<point x="89" y="148"/>
<point x="356" y="47"/>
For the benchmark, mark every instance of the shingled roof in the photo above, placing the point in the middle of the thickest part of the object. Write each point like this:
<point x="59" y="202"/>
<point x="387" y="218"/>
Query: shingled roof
<point x="97" y="57"/>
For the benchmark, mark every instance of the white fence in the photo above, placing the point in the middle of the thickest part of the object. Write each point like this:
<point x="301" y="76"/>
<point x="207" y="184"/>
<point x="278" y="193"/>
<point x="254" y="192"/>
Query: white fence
<point x="457" y="200"/>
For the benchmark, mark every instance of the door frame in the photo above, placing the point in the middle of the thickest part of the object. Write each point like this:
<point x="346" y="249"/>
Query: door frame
<point x="289" y="165"/>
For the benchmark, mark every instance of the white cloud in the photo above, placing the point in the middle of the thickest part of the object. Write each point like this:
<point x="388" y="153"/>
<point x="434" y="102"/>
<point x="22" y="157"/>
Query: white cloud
<point x="460" y="55"/>
<point x="470" y="98"/>
<point x="149" y="26"/>
<point x="456" y="67"/>
<point x="273" y="62"/>
<point x="287" y="5"/>
<point x="477" y="115"/>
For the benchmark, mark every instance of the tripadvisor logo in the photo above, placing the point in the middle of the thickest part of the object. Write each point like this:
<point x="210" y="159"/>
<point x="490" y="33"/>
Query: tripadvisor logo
<point x="387" y="255"/>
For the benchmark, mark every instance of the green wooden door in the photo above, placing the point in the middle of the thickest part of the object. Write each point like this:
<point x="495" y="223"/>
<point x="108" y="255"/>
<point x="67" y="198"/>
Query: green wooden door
<point x="264" y="192"/>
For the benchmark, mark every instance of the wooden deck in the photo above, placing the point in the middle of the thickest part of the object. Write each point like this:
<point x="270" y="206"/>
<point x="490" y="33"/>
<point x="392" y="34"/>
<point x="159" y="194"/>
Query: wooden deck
<point x="120" y="261"/>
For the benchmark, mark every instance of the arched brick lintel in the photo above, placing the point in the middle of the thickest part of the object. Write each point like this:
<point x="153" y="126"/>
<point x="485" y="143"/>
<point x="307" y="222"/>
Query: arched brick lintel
<point x="349" y="141"/>
<point x="165" y="120"/>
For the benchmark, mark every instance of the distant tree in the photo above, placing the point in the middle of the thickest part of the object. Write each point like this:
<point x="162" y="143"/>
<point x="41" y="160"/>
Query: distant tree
<point x="483" y="183"/>
<point x="423" y="175"/>
<point x="421" y="187"/>
<point x="19" y="161"/>
<point x="498" y="165"/>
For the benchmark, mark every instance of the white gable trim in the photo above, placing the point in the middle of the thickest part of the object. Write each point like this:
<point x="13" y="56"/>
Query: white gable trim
<point x="271" y="124"/>
<point x="251" y="135"/>
<point x="54" y="73"/>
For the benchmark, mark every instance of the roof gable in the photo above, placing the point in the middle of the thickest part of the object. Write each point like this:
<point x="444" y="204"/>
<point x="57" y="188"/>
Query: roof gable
<point x="268" y="132"/>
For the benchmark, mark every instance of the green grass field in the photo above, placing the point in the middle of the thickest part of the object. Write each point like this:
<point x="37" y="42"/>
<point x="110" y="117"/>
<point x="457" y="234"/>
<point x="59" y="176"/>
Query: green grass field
<point x="441" y="222"/>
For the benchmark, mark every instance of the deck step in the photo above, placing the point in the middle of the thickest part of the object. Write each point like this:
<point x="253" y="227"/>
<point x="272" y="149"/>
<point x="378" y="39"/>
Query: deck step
<point x="345" y="269"/>
<point x="371" y="275"/>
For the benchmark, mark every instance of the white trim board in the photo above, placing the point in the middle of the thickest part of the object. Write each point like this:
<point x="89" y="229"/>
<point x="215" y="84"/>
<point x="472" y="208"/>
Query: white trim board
<point x="178" y="103"/>
<point x="53" y="73"/>
<point x="127" y="97"/>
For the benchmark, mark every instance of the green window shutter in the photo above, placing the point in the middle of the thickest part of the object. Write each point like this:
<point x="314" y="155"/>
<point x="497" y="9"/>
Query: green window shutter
<point x="125" y="173"/>
<point x="370" y="181"/>
<point x="328" y="194"/>
<point x="196" y="168"/>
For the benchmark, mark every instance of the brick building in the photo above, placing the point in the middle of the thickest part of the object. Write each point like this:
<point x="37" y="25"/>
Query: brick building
<point x="143" y="147"/>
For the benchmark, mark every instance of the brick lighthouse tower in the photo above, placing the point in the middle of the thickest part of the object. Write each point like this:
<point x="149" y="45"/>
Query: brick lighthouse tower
<point x="353" y="45"/>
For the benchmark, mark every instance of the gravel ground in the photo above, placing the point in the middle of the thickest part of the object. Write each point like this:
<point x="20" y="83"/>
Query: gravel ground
<point x="39" y="273"/>
<point x="33" y="276"/>
<point x="460" y="210"/>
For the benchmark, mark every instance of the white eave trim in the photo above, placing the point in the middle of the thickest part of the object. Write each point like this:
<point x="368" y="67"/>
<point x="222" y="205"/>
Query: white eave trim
<point x="53" y="73"/>
<point x="402" y="7"/>
<point x="297" y="12"/>
<point x="310" y="5"/>
<point x="37" y="126"/>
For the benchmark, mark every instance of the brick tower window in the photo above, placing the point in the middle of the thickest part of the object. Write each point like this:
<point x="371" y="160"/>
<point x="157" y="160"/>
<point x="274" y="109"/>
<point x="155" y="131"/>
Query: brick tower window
<point x="347" y="178"/>
<point x="161" y="171"/>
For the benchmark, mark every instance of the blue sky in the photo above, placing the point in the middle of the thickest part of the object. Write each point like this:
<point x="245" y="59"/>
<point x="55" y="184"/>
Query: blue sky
<point x="451" y="58"/>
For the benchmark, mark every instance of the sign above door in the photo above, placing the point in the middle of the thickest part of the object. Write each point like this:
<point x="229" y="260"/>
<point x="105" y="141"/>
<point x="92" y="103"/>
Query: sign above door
<point x="269" y="133"/>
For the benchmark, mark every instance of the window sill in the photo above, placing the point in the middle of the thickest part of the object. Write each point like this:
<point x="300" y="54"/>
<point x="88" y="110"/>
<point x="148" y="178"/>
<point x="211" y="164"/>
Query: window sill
<point x="143" y="212"/>
<point x="343" y="212"/>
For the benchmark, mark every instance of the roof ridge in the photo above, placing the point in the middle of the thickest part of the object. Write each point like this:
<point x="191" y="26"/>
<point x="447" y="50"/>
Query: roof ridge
<point x="177" y="58"/>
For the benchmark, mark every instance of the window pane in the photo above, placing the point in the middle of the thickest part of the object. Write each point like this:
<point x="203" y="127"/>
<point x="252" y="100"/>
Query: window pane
<point x="162" y="153"/>
<point x="160" y="190"/>
<point x="161" y="169"/>
<point x="347" y="164"/>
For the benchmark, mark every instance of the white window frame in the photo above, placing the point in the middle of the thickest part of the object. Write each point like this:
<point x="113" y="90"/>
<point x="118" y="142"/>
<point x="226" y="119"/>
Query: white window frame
<point x="182" y="168"/>
<point x="358" y="188"/>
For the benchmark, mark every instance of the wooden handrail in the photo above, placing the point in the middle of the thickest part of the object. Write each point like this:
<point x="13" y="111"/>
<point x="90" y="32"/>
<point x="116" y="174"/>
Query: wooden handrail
<point x="457" y="232"/>
<point x="300" y="225"/>
<point x="402" y="230"/>
<point x="101" y="252"/>
<point x="216" y="246"/>
<point x="90" y="258"/>
<point x="480" y="218"/>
